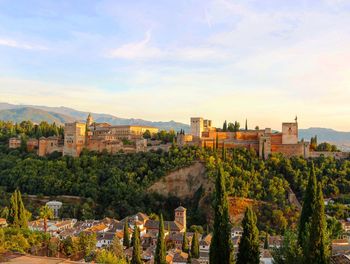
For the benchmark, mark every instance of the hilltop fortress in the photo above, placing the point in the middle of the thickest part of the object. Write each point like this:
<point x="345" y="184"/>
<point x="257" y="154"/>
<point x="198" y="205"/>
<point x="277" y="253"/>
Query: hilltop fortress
<point x="263" y="141"/>
<point x="130" y="139"/>
<point x="91" y="136"/>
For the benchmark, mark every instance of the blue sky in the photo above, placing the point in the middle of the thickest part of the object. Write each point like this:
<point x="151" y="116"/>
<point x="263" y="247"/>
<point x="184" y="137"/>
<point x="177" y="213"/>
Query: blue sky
<point x="160" y="60"/>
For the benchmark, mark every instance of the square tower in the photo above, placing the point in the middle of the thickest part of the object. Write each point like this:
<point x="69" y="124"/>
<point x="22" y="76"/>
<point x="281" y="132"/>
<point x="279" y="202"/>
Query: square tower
<point x="197" y="126"/>
<point x="290" y="133"/>
<point x="180" y="216"/>
<point x="74" y="138"/>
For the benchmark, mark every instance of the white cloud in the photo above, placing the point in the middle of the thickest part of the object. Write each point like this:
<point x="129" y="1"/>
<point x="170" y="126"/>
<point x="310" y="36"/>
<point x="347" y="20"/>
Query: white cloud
<point x="20" y="45"/>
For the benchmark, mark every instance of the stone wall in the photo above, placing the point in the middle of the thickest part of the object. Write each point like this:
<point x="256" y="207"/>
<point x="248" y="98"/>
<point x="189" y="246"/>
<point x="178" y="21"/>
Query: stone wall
<point x="336" y="155"/>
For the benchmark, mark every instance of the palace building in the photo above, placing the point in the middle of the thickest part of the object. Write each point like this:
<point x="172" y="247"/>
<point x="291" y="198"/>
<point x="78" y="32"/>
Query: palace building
<point x="91" y="136"/>
<point x="264" y="141"/>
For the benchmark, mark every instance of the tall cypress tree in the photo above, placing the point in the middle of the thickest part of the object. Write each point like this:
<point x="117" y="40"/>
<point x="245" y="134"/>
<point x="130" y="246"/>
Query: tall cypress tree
<point x="224" y="127"/>
<point x="13" y="211"/>
<point x="307" y="210"/>
<point x="319" y="250"/>
<point x="18" y="215"/>
<point x="160" y="254"/>
<point x="126" y="238"/>
<point x="221" y="245"/>
<point x="23" y="214"/>
<point x="246" y="125"/>
<point x="185" y="247"/>
<point x="195" y="246"/>
<point x="136" y="251"/>
<point x="248" y="250"/>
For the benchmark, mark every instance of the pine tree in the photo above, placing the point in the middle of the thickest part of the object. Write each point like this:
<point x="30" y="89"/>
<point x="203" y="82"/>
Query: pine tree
<point x="195" y="246"/>
<point x="185" y="247"/>
<point x="126" y="238"/>
<point x="136" y="251"/>
<point x="307" y="210"/>
<point x="319" y="250"/>
<point x="221" y="245"/>
<point x="248" y="250"/>
<point x="160" y="254"/>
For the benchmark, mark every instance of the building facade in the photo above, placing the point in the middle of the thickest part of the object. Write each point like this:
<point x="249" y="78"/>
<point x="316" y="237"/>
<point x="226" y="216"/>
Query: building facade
<point x="263" y="141"/>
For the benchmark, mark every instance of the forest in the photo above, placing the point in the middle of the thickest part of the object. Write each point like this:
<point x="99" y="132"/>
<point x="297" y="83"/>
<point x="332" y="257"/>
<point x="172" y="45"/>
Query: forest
<point x="116" y="185"/>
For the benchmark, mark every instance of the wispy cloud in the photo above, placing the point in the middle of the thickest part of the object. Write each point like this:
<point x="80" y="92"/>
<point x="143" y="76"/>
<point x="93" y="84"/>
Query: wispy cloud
<point x="137" y="50"/>
<point x="144" y="50"/>
<point x="20" y="45"/>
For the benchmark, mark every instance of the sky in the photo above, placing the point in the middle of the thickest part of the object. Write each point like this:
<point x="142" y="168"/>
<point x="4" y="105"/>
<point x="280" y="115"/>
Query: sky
<point x="266" y="61"/>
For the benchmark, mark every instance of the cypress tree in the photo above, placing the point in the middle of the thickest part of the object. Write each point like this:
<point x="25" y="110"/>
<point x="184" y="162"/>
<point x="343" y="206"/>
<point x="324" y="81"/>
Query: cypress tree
<point x="160" y="254"/>
<point x="266" y="242"/>
<point x="246" y="125"/>
<point x="13" y="211"/>
<point x="319" y="250"/>
<point x="195" y="246"/>
<point x="18" y="215"/>
<point x="221" y="245"/>
<point x="217" y="141"/>
<point x="308" y="208"/>
<point x="224" y="127"/>
<point x="126" y="238"/>
<point x="22" y="212"/>
<point x="248" y="250"/>
<point x="185" y="247"/>
<point x="136" y="251"/>
<point x="223" y="152"/>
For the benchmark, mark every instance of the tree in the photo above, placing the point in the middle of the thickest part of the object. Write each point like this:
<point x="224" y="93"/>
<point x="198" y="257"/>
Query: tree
<point x="126" y="237"/>
<point x="107" y="257"/>
<point x="266" y="242"/>
<point x="307" y="210"/>
<point x="319" y="248"/>
<point x="18" y="216"/>
<point x="69" y="246"/>
<point x="195" y="246"/>
<point x="117" y="248"/>
<point x="160" y="254"/>
<point x="87" y="243"/>
<point x="224" y="127"/>
<point x="246" y="125"/>
<point x="147" y="134"/>
<point x="185" y="247"/>
<point x="45" y="214"/>
<point x="136" y="251"/>
<point x="236" y="126"/>
<point x="289" y="252"/>
<point x="221" y="245"/>
<point x="248" y="250"/>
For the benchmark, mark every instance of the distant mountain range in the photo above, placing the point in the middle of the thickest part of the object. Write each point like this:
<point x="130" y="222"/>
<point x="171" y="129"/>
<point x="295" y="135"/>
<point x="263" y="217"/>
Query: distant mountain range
<point x="341" y="139"/>
<point x="60" y="115"/>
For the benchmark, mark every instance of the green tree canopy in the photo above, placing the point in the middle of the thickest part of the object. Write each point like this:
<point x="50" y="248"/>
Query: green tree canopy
<point x="160" y="254"/>
<point x="248" y="250"/>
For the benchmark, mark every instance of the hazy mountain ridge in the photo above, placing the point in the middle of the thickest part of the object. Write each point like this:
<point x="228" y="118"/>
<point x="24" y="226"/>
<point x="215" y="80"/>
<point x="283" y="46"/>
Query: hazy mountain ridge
<point x="33" y="114"/>
<point x="60" y="115"/>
